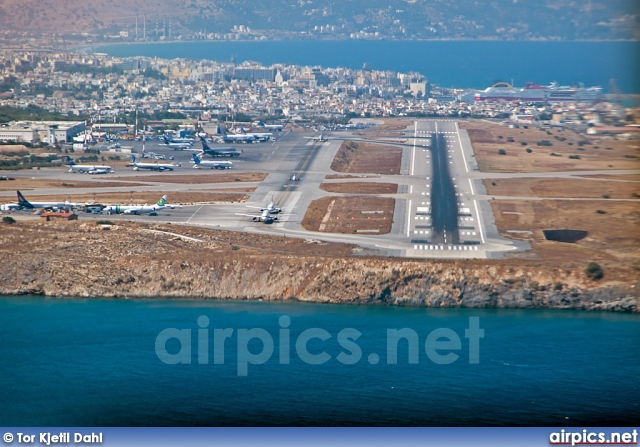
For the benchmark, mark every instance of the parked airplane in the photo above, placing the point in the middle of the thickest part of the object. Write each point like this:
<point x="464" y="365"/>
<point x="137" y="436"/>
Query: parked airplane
<point x="219" y="151"/>
<point x="278" y="127"/>
<point x="100" y="171"/>
<point x="83" y="169"/>
<point x="25" y="204"/>
<point x="211" y="164"/>
<point x="258" y="136"/>
<point x="153" y="166"/>
<point x="180" y="139"/>
<point x="176" y="146"/>
<point x="222" y="135"/>
<point x="139" y="209"/>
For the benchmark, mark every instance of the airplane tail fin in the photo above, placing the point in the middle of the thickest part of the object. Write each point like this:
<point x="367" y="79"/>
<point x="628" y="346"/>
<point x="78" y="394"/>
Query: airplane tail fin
<point x="260" y="123"/>
<point x="70" y="162"/>
<point x="162" y="201"/>
<point x="244" y="132"/>
<point x="22" y="201"/>
<point x="221" y="131"/>
<point x="205" y="146"/>
<point x="134" y="159"/>
<point x="196" y="159"/>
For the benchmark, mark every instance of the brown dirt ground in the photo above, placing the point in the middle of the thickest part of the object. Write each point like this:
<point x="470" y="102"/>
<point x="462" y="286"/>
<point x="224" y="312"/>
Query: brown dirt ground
<point x="594" y="156"/>
<point x="193" y="179"/>
<point x="394" y="124"/>
<point x="367" y="158"/>
<point x="530" y="187"/>
<point x="361" y="188"/>
<point x="232" y="245"/>
<point x="612" y="239"/>
<point x="347" y="214"/>
<point x="179" y="197"/>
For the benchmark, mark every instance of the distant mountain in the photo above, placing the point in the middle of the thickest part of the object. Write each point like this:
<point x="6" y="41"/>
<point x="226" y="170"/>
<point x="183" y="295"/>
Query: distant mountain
<point x="329" y="19"/>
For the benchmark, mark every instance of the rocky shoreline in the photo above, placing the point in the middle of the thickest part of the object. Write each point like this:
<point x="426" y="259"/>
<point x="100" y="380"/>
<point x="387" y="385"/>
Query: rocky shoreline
<point x="74" y="259"/>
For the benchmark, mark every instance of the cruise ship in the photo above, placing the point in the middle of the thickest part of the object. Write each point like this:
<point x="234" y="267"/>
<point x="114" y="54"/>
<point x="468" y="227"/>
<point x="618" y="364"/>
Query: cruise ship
<point x="532" y="92"/>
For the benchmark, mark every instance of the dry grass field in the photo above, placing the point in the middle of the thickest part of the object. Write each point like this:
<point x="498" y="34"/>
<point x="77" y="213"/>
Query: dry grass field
<point x="613" y="229"/>
<point x="367" y="158"/>
<point x="595" y="153"/>
<point x="559" y="188"/>
<point x="360" y="188"/>
<point x="357" y="214"/>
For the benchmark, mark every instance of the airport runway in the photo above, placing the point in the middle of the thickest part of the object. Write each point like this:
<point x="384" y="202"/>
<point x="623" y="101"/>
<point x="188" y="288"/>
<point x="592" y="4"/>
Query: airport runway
<point x="439" y="212"/>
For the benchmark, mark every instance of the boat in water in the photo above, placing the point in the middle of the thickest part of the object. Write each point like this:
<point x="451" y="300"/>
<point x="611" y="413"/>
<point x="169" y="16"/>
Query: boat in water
<point x="533" y="92"/>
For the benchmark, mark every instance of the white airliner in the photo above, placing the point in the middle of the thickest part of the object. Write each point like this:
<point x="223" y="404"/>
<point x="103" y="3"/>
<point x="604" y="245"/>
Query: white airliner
<point x="211" y="164"/>
<point x="271" y="208"/>
<point x="27" y="205"/>
<point x="265" y="217"/>
<point x="153" y="166"/>
<point x="180" y="139"/>
<point x="259" y="136"/>
<point x="139" y="209"/>
<point x="222" y="135"/>
<point x="175" y="145"/>
<point x="320" y="138"/>
<point x="270" y="126"/>
<point x="84" y="169"/>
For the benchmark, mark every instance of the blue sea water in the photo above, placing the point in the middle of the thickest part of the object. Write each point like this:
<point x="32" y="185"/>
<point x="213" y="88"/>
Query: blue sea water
<point x="464" y="64"/>
<point x="94" y="363"/>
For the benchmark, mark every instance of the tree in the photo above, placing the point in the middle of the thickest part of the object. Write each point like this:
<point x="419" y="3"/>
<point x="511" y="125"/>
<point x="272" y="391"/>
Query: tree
<point x="594" y="271"/>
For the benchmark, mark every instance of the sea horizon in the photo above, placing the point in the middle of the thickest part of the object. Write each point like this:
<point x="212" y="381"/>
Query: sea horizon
<point x="472" y="64"/>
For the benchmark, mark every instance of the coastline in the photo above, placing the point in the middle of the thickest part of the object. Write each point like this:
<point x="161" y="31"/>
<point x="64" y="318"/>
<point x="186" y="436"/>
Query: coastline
<point x="82" y="260"/>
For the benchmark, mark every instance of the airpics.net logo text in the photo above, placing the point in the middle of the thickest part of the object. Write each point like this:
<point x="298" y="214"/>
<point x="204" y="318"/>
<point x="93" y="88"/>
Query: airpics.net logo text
<point x="257" y="346"/>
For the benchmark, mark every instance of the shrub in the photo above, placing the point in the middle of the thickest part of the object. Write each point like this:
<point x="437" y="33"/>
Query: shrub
<point x="601" y="212"/>
<point x="524" y="143"/>
<point x="594" y="271"/>
<point x="574" y="157"/>
<point x="544" y="143"/>
<point x="528" y="151"/>
<point x="8" y="220"/>
<point x="557" y="285"/>
<point x="104" y="222"/>
<point x="605" y="196"/>
<point x="502" y="152"/>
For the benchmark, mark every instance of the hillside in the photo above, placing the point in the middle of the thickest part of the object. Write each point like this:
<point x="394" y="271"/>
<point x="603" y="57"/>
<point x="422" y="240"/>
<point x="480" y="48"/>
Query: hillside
<point x="470" y="19"/>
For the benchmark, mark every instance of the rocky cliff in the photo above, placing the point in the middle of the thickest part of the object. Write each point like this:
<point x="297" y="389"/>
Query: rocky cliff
<point x="132" y="260"/>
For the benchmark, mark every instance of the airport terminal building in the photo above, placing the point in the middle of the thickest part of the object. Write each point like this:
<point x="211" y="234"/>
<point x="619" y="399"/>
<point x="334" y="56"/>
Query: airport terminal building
<point x="41" y="131"/>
